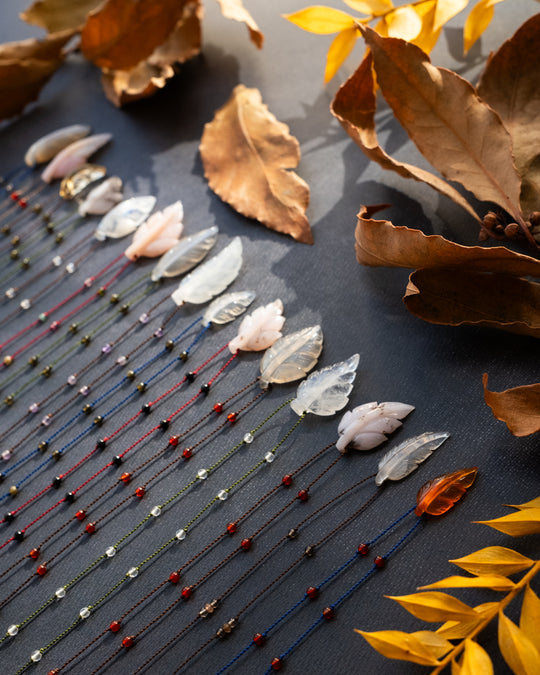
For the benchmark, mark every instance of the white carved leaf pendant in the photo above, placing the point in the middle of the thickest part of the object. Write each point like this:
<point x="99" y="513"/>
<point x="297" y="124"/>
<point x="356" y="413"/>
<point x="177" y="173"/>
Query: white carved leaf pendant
<point x="227" y="307"/>
<point x="184" y="255"/>
<point x="365" y="427"/>
<point x="125" y="217"/>
<point x="291" y="357"/>
<point x="405" y="457"/>
<point x="46" y="147"/>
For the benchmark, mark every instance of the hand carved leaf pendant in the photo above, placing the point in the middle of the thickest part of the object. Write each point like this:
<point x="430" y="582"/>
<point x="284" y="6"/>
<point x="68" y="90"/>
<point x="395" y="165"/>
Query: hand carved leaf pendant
<point x="158" y="234"/>
<point x="437" y="496"/>
<point x="72" y="185"/>
<point x="46" y="147"/>
<point x="366" y="426"/>
<point x="292" y="356"/>
<point x="102" y="198"/>
<point x="260" y="329"/>
<point x="405" y="457"/>
<point x="212" y="277"/>
<point x="125" y="218"/>
<point x="326" y="391"/>
<point x="74" y="156"/>
<point x="227" y="307"/>
<point x="186" y="254"/>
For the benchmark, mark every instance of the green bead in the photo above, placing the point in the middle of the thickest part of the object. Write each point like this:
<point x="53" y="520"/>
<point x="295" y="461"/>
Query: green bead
<point x="33" y="360"/>
<point x="59" y="238"/>
<point x="42" y="317"/>
<point x="124" y="309"/>
<point x="101" y="291"/>
<point x="25" y="263"/>
<point x="74" y="328"/>
<point x="6" y="230"/>
<point x="47" y="371"/>
<point x="14" y="254"/>
<point x="50" y="227"/>
<point x="9" y="400"/>
<point x="114" y="299"/>
<point x="86" y="340"/>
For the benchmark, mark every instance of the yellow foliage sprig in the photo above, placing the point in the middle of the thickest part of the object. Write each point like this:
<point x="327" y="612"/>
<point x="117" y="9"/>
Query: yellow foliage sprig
<point x="490" y="567"/>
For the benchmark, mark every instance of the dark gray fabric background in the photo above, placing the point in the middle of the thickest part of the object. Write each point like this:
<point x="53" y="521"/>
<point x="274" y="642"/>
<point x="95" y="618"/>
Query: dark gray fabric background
<point x="437" y="369"/>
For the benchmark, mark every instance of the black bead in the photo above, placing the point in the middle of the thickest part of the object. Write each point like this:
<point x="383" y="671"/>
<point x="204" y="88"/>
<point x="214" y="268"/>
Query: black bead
<point x="2" y="477"/>
<point x="98" y="421"/>
<point x="146" y="409"/>
<point x="70" y="497"/>
<point x="205" y="389"/>
<point x="18" y="536"/>
<point x="57" y="454"/>
<point x="124" y="309"/>
<point x="101" y="444"/>
<point x="190" y="377"/>
<point x="49" y="226"/>
<point x="73" y="328"/>
<point x="183" y="356"/>
<point x="9" y="517"/>
<point x="85" y="340"/>
<point x="47" y="371"/>
<point x="87" y="409"/>
<point x="6" y="229"/>
<point x="164" y="425"/>
<point x="169" y="345"/>
<point x="59" y="238"/>
<point x="43" y="446"/>
<point x="101" y="291"/>
<point x="33" y="361"/>
<point x="117" y="460"/>
<point x="25" y="263"/>
<point x="57" y="481"/>
<point x="114" y="299"/>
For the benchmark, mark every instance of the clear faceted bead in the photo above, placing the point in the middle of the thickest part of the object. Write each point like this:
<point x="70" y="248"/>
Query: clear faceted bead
<point x="132" y="572"/>
<point x="106" y="349"/>
<point x="88" y="281"/>
<point x="10" y="293"/>
<point x="248" y="438"/>
<point x="46" y="420"/>
<point x="222" y="495"/>
<point x="202" y="474"/>
<point x="181" y="535"/>
<point x="35" y="656"/>
<point x="60" y="593"/>
<point x="110" y="552"/>
<point x="122" y="360"/>
<point x="156" y="511"/>
<point x="159" y="333"/>
<point x="72" y="380"/>
<point x="84" y="390"/>
<point x="34" y="408"/>
<point x="84" y="613"/>
<point x="70" y="268"/>
<point x="13" y="630"/>
<point x="25" y="304"/>
<point x="6" y="455"/>
<point x="57" y="260"/>
<point x="144" y="318"/>
<point x="269" y="457"/>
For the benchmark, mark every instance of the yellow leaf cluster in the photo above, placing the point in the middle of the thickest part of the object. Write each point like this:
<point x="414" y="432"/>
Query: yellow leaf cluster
<point x="419" y="22"/>
<point x="491" y="567"/>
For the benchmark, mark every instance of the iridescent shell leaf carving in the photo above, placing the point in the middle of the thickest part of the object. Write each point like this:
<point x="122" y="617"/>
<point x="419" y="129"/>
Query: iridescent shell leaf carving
<point x="326" y="391"/>
<point x="405" y="457"/>
<point x="366" y="426"/>
<point x="291" y="357"/>
<point x="46" y="147"/>
<point x="158" y="234"/>
<point x="76" y="182"/>
<point x="74" y="156"/>
<point x="227" y="307"/>
<point x="184" y="255"/>
<point x="260" y="329"/>
<point x="125" y="217"/>
<point x="212" y="277"/>
<point x="437" y="496"/>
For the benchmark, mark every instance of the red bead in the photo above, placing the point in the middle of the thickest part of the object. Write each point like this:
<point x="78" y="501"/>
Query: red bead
<point x="54" y="671"/>
<point x="115" y="626"/>
<point x="218" y="408"/>
<point x="81" y="514"/>
<point x="187" y="453"/>
<point x="174" y="577"/>
<point x="174" y="440"/>
<point x="312" y="592"/>
<point x="287" y="480"/>
<point x="34" y="553"/>
<point x="276" y="663"/>
<point x="303" y="495"/>
<point x="232" y="417"/>
<point x="259" y="639"/>
<point x="380" y="561"/>
<point x="23" y="203"/>
<point x="128" y="641"/>
<point x="125" y="477"/>
<point x="245" y="544"/>
<point x="41" y="570"/>
<point x="140" y="492"/>
<point x="55" y="325"/>
<point x="14" y="196"/>
<point x="187" y="592"/>
<point x="363" y="549"/>
<point x="231" y="528"/>
<point x="328" y="613"/>
<point x="90" y="528"/>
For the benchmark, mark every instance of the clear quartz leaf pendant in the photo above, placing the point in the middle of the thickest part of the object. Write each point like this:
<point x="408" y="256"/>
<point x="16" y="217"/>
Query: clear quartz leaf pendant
<point x="212" y="277"/>
<point x="405" y="457"/>
<point x="326" y="391"/>
<point x="125" y="217"/>
<point x="186" y="254"/>
<point x="292" y="356"/>
<point x="227" y="307"/>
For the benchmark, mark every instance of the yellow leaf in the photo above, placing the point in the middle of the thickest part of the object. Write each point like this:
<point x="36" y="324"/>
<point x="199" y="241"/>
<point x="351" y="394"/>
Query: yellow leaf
<point x="403" y="23"/>
<point x="428" y="36"/>
<point x="340" y="48"/>
<point x="395" y="644"/>
<point x="477" y="22"/>
<point x="457" y="630"/>
<point x="494" y="560"/>
<point x="533" y="504"/>
<point x="456" y="668"/>
<point x="446" y="10"/>
<point x="518" y="651"/>
<point x="476" y="660"/>
<point x="321" y="20"/>
<point x="372" y="7"/>
<point x="516" y="524"/>
<point x="434" y="606"/>
<point x="493" y="581"/>
<point x="529" y="621"/>
<point x="434" y="643"/>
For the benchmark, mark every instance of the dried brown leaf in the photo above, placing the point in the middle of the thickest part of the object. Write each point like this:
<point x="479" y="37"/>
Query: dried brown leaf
<point x="58" y="15"/>
<point x="247" y="155"/>
<point x="234" y="9"/>
<point x="475" y="298"/>
<point x="460" y="135"/>
<point x="25" y="67"/>
<point x="124" y="86"/>
<point x="381" y="244"/>
<point x="119" y="35"/>
<point x="518" y="408"/>
<point x="354" y="106"/>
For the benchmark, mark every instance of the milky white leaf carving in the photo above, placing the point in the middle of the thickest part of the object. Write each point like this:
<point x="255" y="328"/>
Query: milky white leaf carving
<point x="405" y="457"/>
<point x="260" y="329"/>
<point x="227" y="307"/>
<point x="184" y="255"/>
<point x="46" y="147"/>
<point x="74" y="156"/>
<point x="158" y="234"/>
<point x="366" y="426"/>
<point x="212" y="277"/>
<point x="102" y="198"/>
<point x="326" y="391"/>
<point x="125" y="217"/>
<point x="292" y="356"/>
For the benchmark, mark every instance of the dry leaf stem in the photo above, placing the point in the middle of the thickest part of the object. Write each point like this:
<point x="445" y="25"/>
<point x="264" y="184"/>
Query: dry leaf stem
<point x="520" y="585"/>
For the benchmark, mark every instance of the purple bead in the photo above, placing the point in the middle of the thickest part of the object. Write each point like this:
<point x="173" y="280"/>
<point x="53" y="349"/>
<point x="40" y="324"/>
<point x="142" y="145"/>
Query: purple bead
<point x="84" y="390"/>
<point x="159" y="333"/>
<point x="88" y="282"/>
<point x="46" y="420"/>
<point x="122" y="360"/>
<point x="72" y="380"/>
<point x="33" y="408"/>
<point x="144" y="318"/>
<point x="106" y="349"/>
<point x="6" y="455"/>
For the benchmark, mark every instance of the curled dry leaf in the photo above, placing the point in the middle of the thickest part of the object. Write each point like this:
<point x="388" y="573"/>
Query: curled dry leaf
<point x="247" y="156"/>
<point x="57" y="15"/>
<point x="518" y="408"/>
<point x="234" y="9"/>
<point x="151" y="74"/>
<point x="477" y="298"/>
<point x="25" y="67"/>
